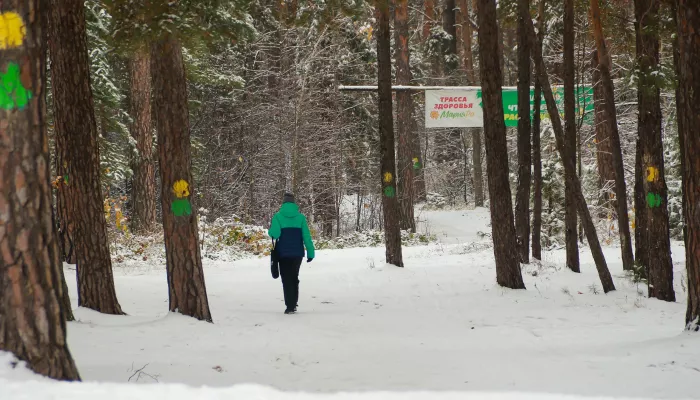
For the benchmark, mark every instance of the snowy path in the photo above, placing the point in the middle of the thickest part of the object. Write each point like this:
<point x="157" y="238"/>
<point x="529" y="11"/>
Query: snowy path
<point x="439" y="324"/>
<point x="455" y="227"/>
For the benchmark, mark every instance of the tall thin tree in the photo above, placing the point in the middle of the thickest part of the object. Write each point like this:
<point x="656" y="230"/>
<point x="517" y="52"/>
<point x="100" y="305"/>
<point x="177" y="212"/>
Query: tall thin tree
<point x="604" y="149"/>
<point x="508" y="272"/>
<point x="611" y="118"/>
<point x="186" y="288"/>
<point x="404" y="118"/>
<point x="471" y="80"/>
<point x="143" y="197"/>
<point x="78" y="156"/>
<point x="569" y="166"/>
<point x="570" y="221"/>
<point x="658" y="250"/>
<point x="32" y="322"/>
<point x="392" y="232"/>
<point x="537" y="148"/>
<point x="522" y="196"/>
<point x="679" y="107"/>
<point x="688" y="22"/>
<point x="428" y="18"/>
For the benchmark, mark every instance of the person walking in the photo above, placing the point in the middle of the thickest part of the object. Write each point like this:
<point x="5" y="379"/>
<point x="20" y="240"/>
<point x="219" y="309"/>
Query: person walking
<point x="291" y="231"/>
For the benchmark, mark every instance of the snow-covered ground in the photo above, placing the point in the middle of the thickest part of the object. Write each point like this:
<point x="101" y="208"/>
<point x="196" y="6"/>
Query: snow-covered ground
<point x="440" y="324"/>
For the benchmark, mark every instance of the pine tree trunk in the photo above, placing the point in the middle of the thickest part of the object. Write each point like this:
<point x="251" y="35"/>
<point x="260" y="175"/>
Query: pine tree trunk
<point x="64" y="300"/>
<point x="419" y="190"/>
<point x="471" y="80"/>
<point x="428" y="15"/>
<point x="508" y="272"/>
<point x="688" y="21"/>
<point x="143" y="197"/>
<point x="32" y="323"/>
<point x="679" y="107"/>
<point x="604" y="149"/>
<point x="449" y="142"/>
<point x="640" y="215"/>
<point x="449" y="25"/>
<point x="186" y="289"/>
<point x="479" y="196"/>
<point x="64" y="224"/>
<point x="404" y="117"/>
<point x="478" y="170"/>
<point x="570" y="222"/>
<point x="77" y="153"/>
<point x="65" y="297"/>
<point x="658" y="251"/>
<point x="391" y="212"/>
<point x="611" y="116"/>
<point x="569" y="166"/>
<point x="522" y="197"/>
<point x="537" y="149"/>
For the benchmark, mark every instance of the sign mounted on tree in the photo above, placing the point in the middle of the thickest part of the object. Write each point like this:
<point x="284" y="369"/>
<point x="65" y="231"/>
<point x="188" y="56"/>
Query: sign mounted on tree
<point x="453" y="109"/>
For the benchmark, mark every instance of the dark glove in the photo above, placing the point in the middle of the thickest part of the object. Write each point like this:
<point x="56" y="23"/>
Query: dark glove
<point x="308" y="260"/>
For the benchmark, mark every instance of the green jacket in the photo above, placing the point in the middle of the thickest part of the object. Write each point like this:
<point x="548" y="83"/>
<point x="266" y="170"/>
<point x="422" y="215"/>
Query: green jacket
<point x="290" y="228"/>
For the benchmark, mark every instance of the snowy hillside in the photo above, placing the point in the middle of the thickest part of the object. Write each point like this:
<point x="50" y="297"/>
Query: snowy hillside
<point x="440" y="324"/>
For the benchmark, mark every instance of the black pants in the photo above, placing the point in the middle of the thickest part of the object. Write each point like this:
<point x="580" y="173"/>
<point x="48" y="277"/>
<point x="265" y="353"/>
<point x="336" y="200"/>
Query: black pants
<point x="289" y="271"/>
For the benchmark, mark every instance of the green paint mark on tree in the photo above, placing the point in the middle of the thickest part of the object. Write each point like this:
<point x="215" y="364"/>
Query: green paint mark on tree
<point x="416" y="163"/>
<point x="653" y="200"/>
<point x="181" y="207"/>
<point x="389" y="191"/>
<point x="12" y="93"/>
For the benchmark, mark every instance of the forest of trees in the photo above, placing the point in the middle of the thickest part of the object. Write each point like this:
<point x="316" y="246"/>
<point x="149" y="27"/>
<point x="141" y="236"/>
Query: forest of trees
<point x="163" y="109"/>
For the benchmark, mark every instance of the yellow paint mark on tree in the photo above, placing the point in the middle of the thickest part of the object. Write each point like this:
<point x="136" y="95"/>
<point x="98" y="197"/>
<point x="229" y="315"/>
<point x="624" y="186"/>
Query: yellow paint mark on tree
<point x="652" y="174"/>
<point x="119" y="218"/>
<point x="181" y="189"/>
<point x="388" y="177"/>
<point x="12" y="30"/>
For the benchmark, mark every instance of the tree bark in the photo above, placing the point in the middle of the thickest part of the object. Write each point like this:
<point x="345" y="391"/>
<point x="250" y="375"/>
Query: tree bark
<point x="419" y="189"/>
<point x="569" y="166"/>
<point x="143" y="197"/>
<point x="77" y="154"/>
<point x="186" y="288"/>
<point x="611" y="115"/>
<point x="570" y="222"/>
<point x="679" y="107"/>
<point x="640" y="215"/>
<point x="392" y="233"/>
<point x="522" y="196"/>
<point x="658" y="250"/>
<point x="32" y="323"/>
<point x="465" y="34"/>
<point x="428" y="16"/>
<point x="471" y="80"/>
<point x="688" y="21"/>
<point x="537" y="149"/>
<point x="404" y="114"/>
<point x="449" y="25"/>
<point x="508" y="272"/>
<point x="604" y="149"/>
<point x="65" y="297"/>
<point x="478" y="170"/>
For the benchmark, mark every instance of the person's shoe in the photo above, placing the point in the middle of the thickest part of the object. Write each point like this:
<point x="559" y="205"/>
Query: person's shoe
<point x="290" y="311"/>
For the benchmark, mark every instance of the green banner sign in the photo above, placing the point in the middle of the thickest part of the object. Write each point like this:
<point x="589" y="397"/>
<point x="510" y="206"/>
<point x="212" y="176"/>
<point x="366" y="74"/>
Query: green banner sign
<point x="584" y="104"/>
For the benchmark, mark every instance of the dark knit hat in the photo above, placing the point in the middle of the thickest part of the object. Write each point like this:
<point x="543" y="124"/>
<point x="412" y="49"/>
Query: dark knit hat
<point x="288" y="198"/>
